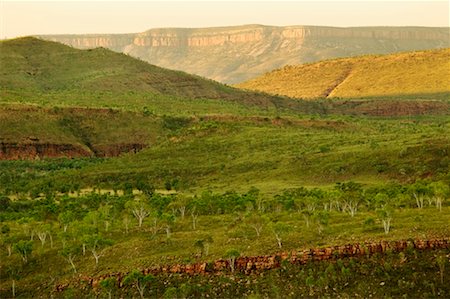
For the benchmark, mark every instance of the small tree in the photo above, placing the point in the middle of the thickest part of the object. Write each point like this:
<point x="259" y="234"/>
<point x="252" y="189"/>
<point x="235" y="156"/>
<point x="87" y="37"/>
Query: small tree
<point x="194" y="216"/>
<point x="167" y="221"/>
<point x="307" y="214"/>
<point x="441" y="260"/>
<point x="139" y="281"/>
<point x="14" y="274"/>
<point x="203" y="244"/>
<point x="320" y="220"/>
<point x="24" y="249"/>
<point x="279" y="229"/>
<point x="6" y="239"/>
<point x="126" y="222"/>
<point x="139" y="209"/>
<point x="440" y="192"/>
<point x="180" y="204"/>
<point x="97" y="245"/>
<point x="65" y="218"/>
<point x="42" y="231"/>
<point x="385" y="216"/>
<point x="257" y="222"/>
<point x="231" y="255"/>
<point x="108" y="285"/>
<point x="70" y="252"/>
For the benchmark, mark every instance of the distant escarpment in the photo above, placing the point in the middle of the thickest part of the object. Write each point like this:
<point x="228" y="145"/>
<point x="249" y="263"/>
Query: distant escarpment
<point x="235" y="54"/>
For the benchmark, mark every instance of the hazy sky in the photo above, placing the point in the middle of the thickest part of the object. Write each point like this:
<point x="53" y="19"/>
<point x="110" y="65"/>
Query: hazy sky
<point x="18" y="18"/>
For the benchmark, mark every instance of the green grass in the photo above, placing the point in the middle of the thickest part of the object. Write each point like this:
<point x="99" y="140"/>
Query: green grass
<point x="139" y="249"/>
<point x="274" y="154"/>
<point x="409" y="73"/>
<point x="52" y="74"/>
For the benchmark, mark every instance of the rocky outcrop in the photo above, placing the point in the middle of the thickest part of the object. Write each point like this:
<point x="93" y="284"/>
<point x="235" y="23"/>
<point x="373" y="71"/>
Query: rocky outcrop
<point x="257" y="264"/>
<point x="30" y="151"/>
<point x="235" y="54"/>
<point x="35" y="150"/>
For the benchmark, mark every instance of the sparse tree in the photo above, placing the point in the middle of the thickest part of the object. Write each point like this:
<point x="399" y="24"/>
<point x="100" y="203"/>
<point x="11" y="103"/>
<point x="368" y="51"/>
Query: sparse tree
<point x="139" y="281"/>
<point x="167" y="221"/>
<point x="231" y="255"/>
<point x="70" y="252"/>
<point x="194" y="216"/>
<point x="126" y="222"/>
<point x="320" y="220"/>
<point x="24" y="249"/>
<point x="14" y="274"/>
<point x="257" y="222"/>
<point x="279" y="229"/>
<point x="65" y="218"/>
<point x="180" y="204"/>
<point x="204" y="244"/>
<point x="385" y="216"/>
<point x="97" y="245"/>
<point x="108" y="284"/>
<point x="139" y="209"/>
<point x="440" y="192"/>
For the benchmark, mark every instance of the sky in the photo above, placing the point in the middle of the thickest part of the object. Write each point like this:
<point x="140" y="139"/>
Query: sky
<point x="20" y="18"/>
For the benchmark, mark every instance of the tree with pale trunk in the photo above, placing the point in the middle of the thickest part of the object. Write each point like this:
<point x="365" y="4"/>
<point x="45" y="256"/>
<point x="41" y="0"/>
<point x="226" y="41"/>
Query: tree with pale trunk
<point x="280" y="230"/>
<point x="14" y="274"/>
<point x="70" y="252"/>
<point x="231" y="255"/>
<point x="180" y="204"/>
<point x="167" y="221"/>
<point x="65" y="218"/>
<point x="257" y="222"/>
<point x="320" y="219"/>
<point x="441" y="191"/>
<point x="108" y="285"/>
<point x="385" y="215"/>
<point x="139" y="281"/>
<point x="139" y="209"/>
<point x="204" y="244"/>
<point x="350" y="196"/>
<point x="97" y="245"/>
<point x="24" y="249"/>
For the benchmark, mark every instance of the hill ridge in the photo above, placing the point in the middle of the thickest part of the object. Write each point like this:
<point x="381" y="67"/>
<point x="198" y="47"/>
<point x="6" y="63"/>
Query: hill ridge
<point x="418" y="72"/>
<point x="237" y="53"/>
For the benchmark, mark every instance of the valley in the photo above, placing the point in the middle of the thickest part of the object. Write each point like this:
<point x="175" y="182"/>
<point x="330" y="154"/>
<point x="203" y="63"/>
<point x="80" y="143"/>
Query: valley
<point x="122" y="179"/>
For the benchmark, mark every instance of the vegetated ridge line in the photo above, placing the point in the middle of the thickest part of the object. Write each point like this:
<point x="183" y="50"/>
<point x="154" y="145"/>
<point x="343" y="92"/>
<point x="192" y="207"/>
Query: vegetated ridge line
<point x="255" y="264"/>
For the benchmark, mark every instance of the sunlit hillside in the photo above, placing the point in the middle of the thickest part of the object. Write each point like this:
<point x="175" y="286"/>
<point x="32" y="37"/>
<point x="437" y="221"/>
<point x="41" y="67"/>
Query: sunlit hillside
<point x="418" y="74"/>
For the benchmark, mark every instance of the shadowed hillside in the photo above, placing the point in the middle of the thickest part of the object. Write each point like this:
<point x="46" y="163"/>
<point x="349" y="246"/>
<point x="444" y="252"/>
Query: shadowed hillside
<point x="411" y="73"/>
<point x="55" y="72"/>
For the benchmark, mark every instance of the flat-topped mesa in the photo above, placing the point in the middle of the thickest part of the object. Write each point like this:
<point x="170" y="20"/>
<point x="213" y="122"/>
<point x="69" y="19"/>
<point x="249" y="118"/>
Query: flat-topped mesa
<point x="234" y="54"/>
<point x="232" y="35"/>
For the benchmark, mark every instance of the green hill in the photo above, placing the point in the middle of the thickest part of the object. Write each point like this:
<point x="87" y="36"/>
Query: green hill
<point x="410" y="73"/>
<point x="43" y="72"/>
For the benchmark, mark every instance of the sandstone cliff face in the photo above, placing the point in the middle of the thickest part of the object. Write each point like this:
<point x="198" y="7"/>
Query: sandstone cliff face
<point x="30" y="151"/>
<point x="235" y="54"/>
<point x="35" y="150"/>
